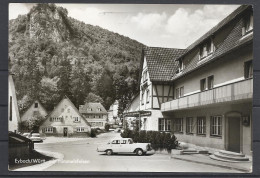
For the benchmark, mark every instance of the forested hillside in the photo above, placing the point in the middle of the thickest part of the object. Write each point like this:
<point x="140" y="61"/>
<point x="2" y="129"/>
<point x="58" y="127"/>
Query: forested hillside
<point x="52" y="55"/>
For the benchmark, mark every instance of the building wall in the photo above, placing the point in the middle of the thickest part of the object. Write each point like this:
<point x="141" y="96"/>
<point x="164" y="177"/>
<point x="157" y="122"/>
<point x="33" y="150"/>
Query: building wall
<point x="244" y="108"/>
<point x="228" y="69"/>
<point x="30" y="112"/>
<point x="146" y="103"/>
<point x="90" y="118"/>
<point x="151" y="121"/>
<point x="13" y="112"/>
<point x="68" y="119"/>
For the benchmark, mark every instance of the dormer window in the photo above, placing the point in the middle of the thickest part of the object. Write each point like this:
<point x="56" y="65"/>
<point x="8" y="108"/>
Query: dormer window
<point x="249" y="23"/>
<point x="99" y="109"/>
<point x="206" y="49"/>
<point x="181" y="67"/>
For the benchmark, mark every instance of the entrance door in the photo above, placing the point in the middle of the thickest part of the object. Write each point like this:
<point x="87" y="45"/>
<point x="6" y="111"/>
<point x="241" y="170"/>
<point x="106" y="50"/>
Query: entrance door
<point x="234" y="134"/>
<point x="65" y="131"/>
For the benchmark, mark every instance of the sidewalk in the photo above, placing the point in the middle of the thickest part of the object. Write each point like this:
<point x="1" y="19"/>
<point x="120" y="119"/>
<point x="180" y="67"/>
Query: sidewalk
<point x="205" y="159"/>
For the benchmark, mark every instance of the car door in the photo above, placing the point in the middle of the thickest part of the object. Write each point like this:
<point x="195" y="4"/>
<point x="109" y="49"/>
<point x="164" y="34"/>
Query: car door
<point x="115" y="146"/>
<point x="124" y="146"/>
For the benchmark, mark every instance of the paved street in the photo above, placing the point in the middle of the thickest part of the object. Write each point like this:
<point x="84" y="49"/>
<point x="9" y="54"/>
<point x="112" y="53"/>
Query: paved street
<point x="84" y="151"/>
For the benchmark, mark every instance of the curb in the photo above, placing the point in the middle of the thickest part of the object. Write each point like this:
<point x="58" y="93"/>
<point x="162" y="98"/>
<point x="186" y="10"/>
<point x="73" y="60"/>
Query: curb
<point x="217" y="165"/>
<point x="45" y="165"/>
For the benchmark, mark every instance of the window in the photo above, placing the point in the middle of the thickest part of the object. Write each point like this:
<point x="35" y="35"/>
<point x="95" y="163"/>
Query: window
<point x="89" y="109"/>
<point x="147" y="96"/>
<point x="145" y="76"/>
<point x="142" y="99"/>
<point x="216" y="126"/>
<point x="210" y="82"/>
<point x="145" y="123"/>
<point x="123" y="141"/>
<point x="99" y="116"/>
<point x="80" y="129"/>
<point x="11" y="108"/>
<point x="189" y="125"/>
<point x="181" y="66"/>
<point x="249" y="23"/>
<point x="164" y="124"/>
<point x="48" y="130"/>
<point x="181" y="91"/>
<point x="206" y="49"/>
<point x="248" y="67"/>
<point x="203" y="84"/>
<point x="56" y="119"/>
<point x="68" y="110"/>
<point x="178" y="125"/>
<point x="116" y="142"/>
<point x="201" y="125"/>
<point x="35" y="105"/>
<point x="76" y="119"/>
<point x="99" y="109"/>
<point x="94" y="116"/>
<point x="177" y="92"/>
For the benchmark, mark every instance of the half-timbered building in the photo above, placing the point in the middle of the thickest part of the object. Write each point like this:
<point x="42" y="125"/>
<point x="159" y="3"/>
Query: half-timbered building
<point x="213" y="87"/>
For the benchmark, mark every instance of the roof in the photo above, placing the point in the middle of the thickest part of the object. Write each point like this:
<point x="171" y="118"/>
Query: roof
<point x="65" y="97"/>
<point x="220" y="25"/>
<point x="32" y="103"/>
<point x="233" y="41"/>
<point x="161" y="62"/>
<point x="84" y="109"/>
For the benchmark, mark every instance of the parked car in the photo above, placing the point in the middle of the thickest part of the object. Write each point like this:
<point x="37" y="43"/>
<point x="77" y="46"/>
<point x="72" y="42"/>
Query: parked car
<point x="124" y="145"/>
<point x="118" y="130"/>
<point x="27" y="134"/>
<point x="36" y="137"/>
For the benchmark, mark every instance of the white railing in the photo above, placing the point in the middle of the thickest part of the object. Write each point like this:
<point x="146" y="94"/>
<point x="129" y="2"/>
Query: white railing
<point x="230" y="92"/>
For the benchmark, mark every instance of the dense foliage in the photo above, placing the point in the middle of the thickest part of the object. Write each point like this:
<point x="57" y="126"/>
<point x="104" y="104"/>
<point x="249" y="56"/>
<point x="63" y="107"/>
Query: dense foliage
<point x="158" y="140"/>
<point x="53" y="55"/>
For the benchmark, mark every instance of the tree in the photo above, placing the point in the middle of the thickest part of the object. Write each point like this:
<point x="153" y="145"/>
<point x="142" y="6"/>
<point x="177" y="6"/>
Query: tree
<point x="49" y="88"/>
<point x="93" y="98"/>
<point x="80" y="82"/>
<point x="64" y="86"/>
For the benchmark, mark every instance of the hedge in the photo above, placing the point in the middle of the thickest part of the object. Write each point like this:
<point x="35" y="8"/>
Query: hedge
<point x="158" y="140"/>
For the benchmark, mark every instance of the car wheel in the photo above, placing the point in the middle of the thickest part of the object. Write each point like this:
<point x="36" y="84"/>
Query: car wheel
<point x="109" y="152"/>
<point x="139" y="152"/>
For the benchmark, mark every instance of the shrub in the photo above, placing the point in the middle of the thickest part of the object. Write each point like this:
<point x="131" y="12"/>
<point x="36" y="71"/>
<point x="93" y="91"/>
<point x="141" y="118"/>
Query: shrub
<point x="107" y="127"/>
<point x="158" y="140"/>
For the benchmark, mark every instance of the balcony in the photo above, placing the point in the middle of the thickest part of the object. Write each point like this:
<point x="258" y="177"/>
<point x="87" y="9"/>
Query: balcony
<point x="231" y="92"/>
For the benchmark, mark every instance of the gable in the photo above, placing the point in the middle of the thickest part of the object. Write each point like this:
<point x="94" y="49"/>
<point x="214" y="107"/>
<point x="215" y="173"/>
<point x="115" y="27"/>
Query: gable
<point x="67" y="111"/>
<point x="32" y="111"/>
<point x="161" y="64"/>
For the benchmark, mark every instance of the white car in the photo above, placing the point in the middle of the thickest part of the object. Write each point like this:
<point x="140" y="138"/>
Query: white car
<point x="35" y="137"/>
<point x="124" y="145"/>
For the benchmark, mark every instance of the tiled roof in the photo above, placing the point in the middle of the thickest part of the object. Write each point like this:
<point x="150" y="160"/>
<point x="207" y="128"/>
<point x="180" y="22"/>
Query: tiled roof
<point x="85" y="109"/>
<point x="161" y="62"/>
<point x="231" y="42"/>
<point x="220" y="25"/>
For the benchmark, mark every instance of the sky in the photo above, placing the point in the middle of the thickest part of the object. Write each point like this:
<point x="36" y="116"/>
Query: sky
<point x="158" y="25"/>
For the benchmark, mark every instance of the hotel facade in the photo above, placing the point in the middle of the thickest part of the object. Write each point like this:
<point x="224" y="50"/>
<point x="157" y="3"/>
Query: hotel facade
<point x="203" y="94"/>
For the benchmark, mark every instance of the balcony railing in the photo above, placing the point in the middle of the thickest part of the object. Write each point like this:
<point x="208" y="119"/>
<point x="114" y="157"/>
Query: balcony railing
<point x="230" y="92"/>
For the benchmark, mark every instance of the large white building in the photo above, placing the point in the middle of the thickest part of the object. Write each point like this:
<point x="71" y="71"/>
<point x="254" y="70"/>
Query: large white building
<point x="13" y="112"/>
<point x="203" y="94"/>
